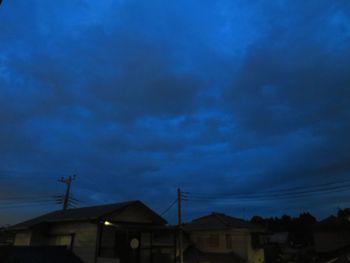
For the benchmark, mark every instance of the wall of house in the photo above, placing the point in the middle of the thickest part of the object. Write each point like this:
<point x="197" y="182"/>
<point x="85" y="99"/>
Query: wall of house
<point x="22" y="238"/>
<point x="216" y="241"/>
<point x="84" y="244"/>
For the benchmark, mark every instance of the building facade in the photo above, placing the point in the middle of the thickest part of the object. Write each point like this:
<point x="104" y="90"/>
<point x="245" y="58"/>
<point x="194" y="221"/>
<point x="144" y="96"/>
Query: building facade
<point x="127" y="232"/>
<point x="221" y="234"/>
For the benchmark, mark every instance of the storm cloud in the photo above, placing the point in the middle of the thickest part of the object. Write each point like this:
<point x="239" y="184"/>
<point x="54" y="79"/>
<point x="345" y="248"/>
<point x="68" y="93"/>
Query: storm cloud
<point x="140" y="98"/>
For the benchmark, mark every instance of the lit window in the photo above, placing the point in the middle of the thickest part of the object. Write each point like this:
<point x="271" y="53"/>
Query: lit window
<point x="61" y="240"/>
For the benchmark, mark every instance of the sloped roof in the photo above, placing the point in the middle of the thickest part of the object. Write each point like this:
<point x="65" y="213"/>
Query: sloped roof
<point x="82" y="214"/>
<point x="219" y="221"/>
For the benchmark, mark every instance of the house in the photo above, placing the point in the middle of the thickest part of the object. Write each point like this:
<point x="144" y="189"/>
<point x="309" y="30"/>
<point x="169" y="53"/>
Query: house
<point x="128" y="232"/>
<point x="218" y="234"/>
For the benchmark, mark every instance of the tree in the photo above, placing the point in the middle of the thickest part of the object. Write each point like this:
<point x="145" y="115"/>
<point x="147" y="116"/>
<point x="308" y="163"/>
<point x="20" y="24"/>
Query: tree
<point x="307" y="219"/>
<point x="344" y="212"/>
<point x="258" y="220"/>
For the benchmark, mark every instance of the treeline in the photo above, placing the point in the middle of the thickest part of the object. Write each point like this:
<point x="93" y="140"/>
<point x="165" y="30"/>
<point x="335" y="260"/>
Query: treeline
<point x="288" y="223"/>
<point x="285" y="222"/>
<point x="299" y="228"/>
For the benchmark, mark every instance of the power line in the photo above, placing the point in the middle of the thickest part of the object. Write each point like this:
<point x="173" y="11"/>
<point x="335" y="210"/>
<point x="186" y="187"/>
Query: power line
<point x="280" y="193"/>
<point x="17" y="179"/>
<point x="6" y="202"/>
<point x="72" y="202"/>
<point x="169" y="207"/>
<point x="10" y="205"/>
<point x="292" y="193"/>
<point x="29" y="175"/>
<point x="262" y="199"/>
<point x="13" y="171"/>
<point x="269" y="197"/>
<point x="19" y="198"/>
<point x="26" y="205"/>
<point x="24" y="202"/>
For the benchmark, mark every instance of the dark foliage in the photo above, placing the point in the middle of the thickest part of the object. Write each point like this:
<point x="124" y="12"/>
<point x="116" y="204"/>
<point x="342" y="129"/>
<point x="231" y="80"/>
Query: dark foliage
<point x="299" y="228"/>
<point x="344" y="212"/>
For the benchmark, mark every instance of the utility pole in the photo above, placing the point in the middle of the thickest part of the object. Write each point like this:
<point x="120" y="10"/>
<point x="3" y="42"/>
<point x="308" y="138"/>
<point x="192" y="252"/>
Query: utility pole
<point x="68" y="182"/>
<point x="179" y="206"/>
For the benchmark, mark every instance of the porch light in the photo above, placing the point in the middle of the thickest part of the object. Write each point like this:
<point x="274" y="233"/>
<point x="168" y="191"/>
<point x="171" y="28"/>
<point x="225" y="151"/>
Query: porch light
<point x="107" y="223"/>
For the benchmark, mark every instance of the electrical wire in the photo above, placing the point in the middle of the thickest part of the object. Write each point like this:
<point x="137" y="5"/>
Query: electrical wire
<point x="5" y="172"/>
<point x="169" y="207"/>
<point x="26" y="205"/>
<point x="281" y="193"/>
<point x="255" y="200"/>
<point x="26" y="198"/>
<point x="20" y="198"/>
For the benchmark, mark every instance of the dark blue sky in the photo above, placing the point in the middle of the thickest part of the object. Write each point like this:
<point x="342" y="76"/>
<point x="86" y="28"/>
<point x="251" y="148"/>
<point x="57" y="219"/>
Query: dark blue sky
<point x="140" y="97"/>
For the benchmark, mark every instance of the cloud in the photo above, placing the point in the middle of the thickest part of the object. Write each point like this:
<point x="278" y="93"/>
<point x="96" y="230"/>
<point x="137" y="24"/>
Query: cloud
<point x="208" y="96"/>
<point x="290" y="98"/>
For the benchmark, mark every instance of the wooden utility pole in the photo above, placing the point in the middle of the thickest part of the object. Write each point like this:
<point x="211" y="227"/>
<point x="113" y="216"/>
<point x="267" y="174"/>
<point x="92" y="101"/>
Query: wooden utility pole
<point x="179" y="206"/>
<point x="68" y="182"/>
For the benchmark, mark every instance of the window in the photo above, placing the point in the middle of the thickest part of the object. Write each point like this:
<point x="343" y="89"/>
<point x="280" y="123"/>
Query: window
<point x="228" y="241"/>
<point x="61" y="240"/>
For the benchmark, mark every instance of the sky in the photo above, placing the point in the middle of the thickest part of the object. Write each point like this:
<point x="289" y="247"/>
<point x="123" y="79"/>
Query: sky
<point x="139" y="98"/>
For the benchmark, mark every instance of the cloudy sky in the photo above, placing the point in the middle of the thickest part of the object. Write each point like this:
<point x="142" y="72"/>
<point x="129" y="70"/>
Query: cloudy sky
<point x="138" y="98"/>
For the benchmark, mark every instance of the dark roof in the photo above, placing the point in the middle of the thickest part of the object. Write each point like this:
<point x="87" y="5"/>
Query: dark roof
<point x="219" y="221"/>
<point x="81" y="214"/>
<point x="194" y="255"/>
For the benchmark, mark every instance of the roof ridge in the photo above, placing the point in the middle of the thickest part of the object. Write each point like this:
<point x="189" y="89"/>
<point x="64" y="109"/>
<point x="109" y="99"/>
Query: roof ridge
<point x="124" y="205"/>
<point x="219" y="216"/>
<point x="102" y="205"/>
<point x="80" y="213"/>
